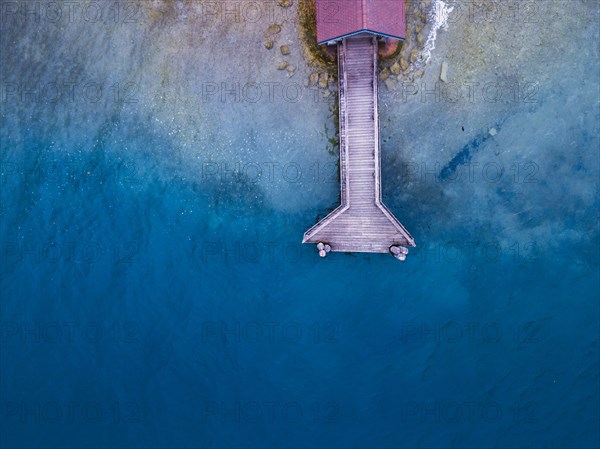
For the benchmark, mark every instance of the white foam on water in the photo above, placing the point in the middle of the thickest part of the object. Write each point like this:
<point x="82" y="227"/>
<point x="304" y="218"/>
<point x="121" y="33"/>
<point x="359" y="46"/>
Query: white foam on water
<point x="438" y="17"/>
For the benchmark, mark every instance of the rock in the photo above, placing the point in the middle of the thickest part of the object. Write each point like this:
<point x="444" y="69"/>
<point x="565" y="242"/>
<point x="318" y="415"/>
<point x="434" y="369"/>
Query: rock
<point x="327" y="94"/>
<point x="282" y="65"/>
<point x="322" y="253"/>
<point x="419" y="74"/>
<point x="327" y="248"/>
<point x="285" y="50"/>
<point x="384" y="74"/>
<point x="493" y="132"/>
<point x="320" y="246"/>
<point x="274" y="29"/>
<point x="390" y="84"/>
<point x="323" y="80"/>
<point x="269" y="44"/>
<point x="313" y="79"/>
<point x="444" y="73"/>
<point x="414" y="55"/>
<point x="420" y="39"/>
<point x="396" y="68"/>
<point x="419" y="28"/>
<point x="401" y="257"/>
<point x="291" y="69"/>
<point x="286" y="3"/>
<point x="404" y="250"/>
<point x="394" y="250"/>
<point x="404" y="64"/>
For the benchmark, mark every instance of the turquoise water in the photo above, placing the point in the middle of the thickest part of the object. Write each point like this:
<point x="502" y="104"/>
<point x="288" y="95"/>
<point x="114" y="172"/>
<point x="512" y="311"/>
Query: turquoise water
<point x="154" y="291"/>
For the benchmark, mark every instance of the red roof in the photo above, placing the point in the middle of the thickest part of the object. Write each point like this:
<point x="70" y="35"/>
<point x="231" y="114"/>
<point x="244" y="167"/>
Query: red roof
<point x="337" y="19"/>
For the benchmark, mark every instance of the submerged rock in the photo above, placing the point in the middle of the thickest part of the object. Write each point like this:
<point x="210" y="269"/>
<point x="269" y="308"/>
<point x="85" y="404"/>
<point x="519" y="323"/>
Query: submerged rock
<point x="390" y="84"/>
<point x="285" y="50"/>
<point x="269" y="44"/>
<point x="274" y="29"/>
<point x="282" y="65"/>
<point x="313" y="79"/>
<point x="323" y="80"/>
<point x="396" y="68"/>
<point x="414" y="55"/>
<point x="404" y="64"/>
<point x="384" y="74"/>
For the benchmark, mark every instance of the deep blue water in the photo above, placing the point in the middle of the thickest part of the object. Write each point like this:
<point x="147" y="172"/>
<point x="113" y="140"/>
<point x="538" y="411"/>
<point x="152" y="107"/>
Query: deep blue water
<point x="148" y="299"/>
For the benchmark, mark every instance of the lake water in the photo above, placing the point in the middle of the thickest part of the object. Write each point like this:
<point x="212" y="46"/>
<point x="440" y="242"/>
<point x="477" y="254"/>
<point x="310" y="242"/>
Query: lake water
<point x="158" y="173"/>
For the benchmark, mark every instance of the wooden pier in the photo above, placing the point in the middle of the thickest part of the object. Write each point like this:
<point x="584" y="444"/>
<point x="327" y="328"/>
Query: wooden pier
<point x="362" y="223"/>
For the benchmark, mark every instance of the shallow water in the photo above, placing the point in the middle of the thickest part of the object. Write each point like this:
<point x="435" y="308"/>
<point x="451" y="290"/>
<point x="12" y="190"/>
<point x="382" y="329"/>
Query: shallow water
<point x="157" y="176"/>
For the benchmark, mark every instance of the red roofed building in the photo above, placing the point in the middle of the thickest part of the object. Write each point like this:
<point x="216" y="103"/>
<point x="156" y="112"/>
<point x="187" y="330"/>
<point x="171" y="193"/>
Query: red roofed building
<point x="337" y="19"/>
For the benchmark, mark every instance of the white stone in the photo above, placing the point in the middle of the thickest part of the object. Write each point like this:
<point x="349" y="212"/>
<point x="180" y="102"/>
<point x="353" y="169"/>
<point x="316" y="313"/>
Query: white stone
<point x="444" y="74"/>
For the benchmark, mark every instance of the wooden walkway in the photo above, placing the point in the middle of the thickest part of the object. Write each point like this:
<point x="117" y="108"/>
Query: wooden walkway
<point x="362" y="223"/>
